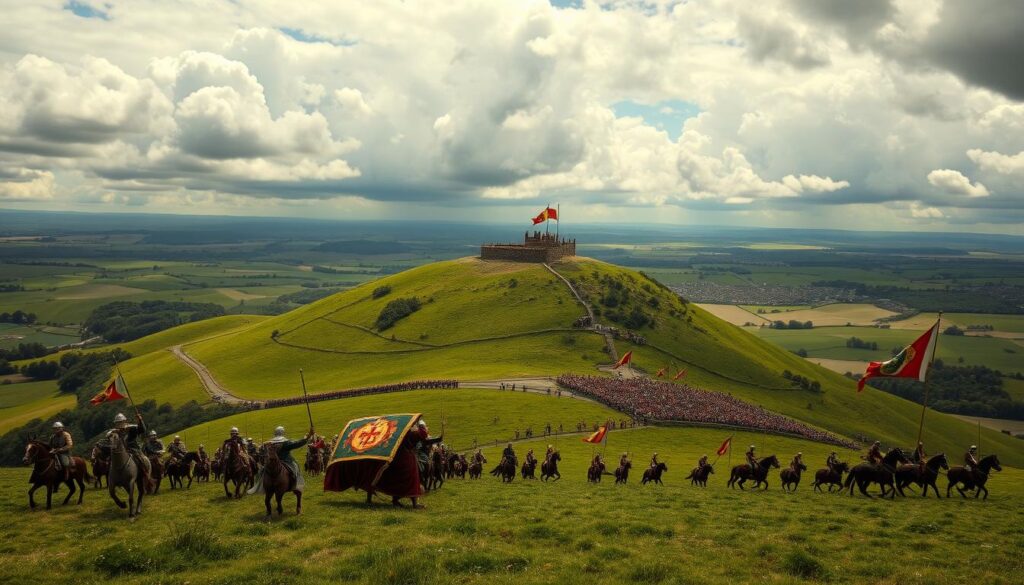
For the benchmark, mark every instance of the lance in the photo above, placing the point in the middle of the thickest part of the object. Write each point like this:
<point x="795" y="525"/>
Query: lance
<point x="305" y="397"/>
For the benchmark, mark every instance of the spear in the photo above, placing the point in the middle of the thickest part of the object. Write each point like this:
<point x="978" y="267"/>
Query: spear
<point x="305" y="397"/>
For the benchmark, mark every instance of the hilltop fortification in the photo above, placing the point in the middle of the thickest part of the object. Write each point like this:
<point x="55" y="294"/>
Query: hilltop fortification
<point x="539" y="247"/>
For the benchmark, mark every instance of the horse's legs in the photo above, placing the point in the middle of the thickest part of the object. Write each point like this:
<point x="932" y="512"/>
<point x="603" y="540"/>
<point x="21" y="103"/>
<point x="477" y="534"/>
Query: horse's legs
<point x="112" y="488"/>
<point x="49" y="495"/>
<point x="279" y="509"/>
<point x="266" y="502"/>
<point x="31" y="500"/>
<point x="226" y="492"/>
<point x="71" y="491"/>
<point x="298" y="503"/>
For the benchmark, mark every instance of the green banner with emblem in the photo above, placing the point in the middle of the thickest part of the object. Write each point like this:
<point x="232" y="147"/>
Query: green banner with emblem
<point x="373" y="437"/>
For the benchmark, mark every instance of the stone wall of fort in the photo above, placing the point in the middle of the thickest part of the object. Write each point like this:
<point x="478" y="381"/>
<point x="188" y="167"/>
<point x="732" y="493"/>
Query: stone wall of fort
<point x="535" y="248"/>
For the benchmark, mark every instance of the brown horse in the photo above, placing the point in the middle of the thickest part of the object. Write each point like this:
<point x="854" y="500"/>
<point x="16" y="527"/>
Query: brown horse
<point x="237" y="469"/>
<point x="699" y="475"/>
<point x="156" y="475"/>
<point x="596" y="470"/>
<point x="622" y="472"/>
<point x="529" y="470"/>
<point x="972" y="480"/>
<point x="435" y="470"/>
<point x="791" y="477"/>
<point x="741" y="473"/>
<point x="457" y="466"/>
<point x="833" y="477"/>
<point x="654" y="474"/>
<point x="909" y="473"/>
<point x="202" y="470"/>
<point x="506" y="470"/>
<point x="864" y="474"/>
<point x="314" y="462"/>
<point x="549" y="468"/>
<point x="100" y="467"/>
<point x="277" y="481"/>
<point x="45" y="473"/>
<point x="476" y="468"/>
<point x="178" y="470"/>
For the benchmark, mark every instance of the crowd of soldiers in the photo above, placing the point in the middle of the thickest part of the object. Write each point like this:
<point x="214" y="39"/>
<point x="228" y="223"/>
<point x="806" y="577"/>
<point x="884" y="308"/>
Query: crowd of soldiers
<point x="647" y="399"/>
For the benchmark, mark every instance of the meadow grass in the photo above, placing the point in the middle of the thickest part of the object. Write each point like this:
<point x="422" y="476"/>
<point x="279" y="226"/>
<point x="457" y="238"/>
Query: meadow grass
<point x="533" y="532"/>
<point x="21" y="403"/>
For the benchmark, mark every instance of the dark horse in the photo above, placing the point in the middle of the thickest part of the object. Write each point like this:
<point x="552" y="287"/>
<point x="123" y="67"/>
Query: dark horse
<point x="912" y="473"/>
<point x="699" y="475"/>
<point x="529" y="470"/>
<point x="237" y="469"/>
<point x="156" y="475"/>
<point x="549" y="468"/>
<point x="654" y="474"/>
<point x="202" y="470"/>
<point x="45" y="472"/>
<point x="126" y="474"/>
<point x="832" y="476"/>
<point x="178" y="470"/>
<point x="972" y="480"/>
<point x="864" y="474"/>
<point x="791" y="477"/>
<point x="595" y="472"/>
<point x="622" y="472"/>
<point x="476" y="468"/>
<point x="506" y="470"/>
<point x="435" y="472"/>
<point x="100" y="467"/>
<point x="741" y="473"/>
<point x="277" y="481"/>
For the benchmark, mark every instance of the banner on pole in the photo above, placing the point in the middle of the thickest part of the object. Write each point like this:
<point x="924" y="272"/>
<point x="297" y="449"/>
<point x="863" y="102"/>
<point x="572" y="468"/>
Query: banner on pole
<point x="373" y="437"/>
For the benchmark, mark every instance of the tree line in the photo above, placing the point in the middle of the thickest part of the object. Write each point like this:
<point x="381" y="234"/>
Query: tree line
<point x="126" y="320"/>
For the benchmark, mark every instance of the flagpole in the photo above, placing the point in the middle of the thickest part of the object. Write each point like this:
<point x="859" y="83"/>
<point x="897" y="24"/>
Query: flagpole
<point x="558" y="218"/>
<point x="117" y="368"/>
<point x="547" y="220"/>
<point x="928" y="377"/>
<point x="305" y="398"/>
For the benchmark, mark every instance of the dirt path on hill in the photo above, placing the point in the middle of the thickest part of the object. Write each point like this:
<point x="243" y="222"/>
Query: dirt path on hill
<point x="210" y="384"/>
<point x="608" y="339"/>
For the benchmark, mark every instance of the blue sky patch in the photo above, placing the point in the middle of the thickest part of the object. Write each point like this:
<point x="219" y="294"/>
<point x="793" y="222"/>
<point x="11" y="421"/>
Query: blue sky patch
<point x="667" y="115"/>
<point x="85" y="10"/>
<point x="304" y="37"/>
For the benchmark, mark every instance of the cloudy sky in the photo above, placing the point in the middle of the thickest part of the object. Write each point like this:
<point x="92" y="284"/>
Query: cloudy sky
<point x="867" y="114"/>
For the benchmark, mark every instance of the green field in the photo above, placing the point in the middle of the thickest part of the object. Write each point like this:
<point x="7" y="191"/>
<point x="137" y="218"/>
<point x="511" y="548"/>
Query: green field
<point x="20" y="403"/>
<point x="527" y="532"/>
<point x="830" y="342"/>
<point x="11" y="335"/>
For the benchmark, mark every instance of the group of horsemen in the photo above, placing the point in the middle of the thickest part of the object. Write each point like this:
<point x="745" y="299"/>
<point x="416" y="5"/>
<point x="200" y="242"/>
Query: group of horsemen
<point x="61" y="444"/>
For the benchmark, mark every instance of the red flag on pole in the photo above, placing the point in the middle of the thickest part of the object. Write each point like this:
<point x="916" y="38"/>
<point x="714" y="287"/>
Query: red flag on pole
<point x="681" y="374"/>
<point x="597" y="436"/>
<point x="726" y="445"/>
<point x="111" y="393"/>
<point x="912" y="362"/>
<point x="627" y="358"/>
<point x="545" y="215"/>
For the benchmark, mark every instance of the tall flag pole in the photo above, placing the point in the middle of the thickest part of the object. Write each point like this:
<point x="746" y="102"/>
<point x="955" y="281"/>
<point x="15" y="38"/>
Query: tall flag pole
<point x="558" y="214"/>
<point x="305" y="398"/>
<point x="117" y="369"/>
<point x="927" y="379"/>
<point x="547" y="221"/>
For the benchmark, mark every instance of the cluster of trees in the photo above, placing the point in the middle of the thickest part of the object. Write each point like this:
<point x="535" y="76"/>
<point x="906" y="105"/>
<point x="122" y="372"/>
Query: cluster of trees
<point x="381" y="291"/>
<point x="635" y="319"/>
<point x="396" y="310"/>
<point x="970" y="390"/>
<point x="125" y="320"/>
<point x="616" y="299"/>
<point x="18" y="317"/>
<point x="953" y="330"/>
<point x="84" y="376"/>
<point x="858" y="343"/>
<point x="306" y="296"/>
<point x="985" y="298"/>
<point x="801" y="381"/>
<point x="792" y="324"/>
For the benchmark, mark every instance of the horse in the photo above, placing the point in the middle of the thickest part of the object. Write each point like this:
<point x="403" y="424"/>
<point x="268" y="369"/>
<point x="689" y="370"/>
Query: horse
<point x="125" y="473"/>
<point x="237" y="469"/>
<point x="699" y="475"/>
<point x="864" y="474"/>
<point x="217" y="467"/>
<point x="45" y="473"/>
<point x="476" y="468"/>
<point x="313" y="461"/>
<point x="833" y="476"/>
<point x="156" y="474"/>
<point x="457" y="466"/>
<point x="277" y="481"/>
<point x="549" y="468"/>
<point x="595" y="471"/>
<point x="741" y="473"/>
<point x="791" y="477"/>
<point x="506" y="470"/>
<point x="529" y="470"/>
<point x="177" y="470"/>
<point x="654" y="474"/>
<point x="912" y="473"/>
<point x="201" y="471"/>
<point x="622" y="472"/>
<point x="436" y="470"/>
<point x="975" y="479"/>
<point x="100" y="467"/>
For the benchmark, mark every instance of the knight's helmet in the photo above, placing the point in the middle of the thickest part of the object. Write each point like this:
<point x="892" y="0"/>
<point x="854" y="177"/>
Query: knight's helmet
<point x="279" y="432"/>
<point x="120" y="418"/>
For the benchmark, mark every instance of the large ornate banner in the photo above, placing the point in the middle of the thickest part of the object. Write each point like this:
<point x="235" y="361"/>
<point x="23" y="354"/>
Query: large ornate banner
<point x="373" y="437"/>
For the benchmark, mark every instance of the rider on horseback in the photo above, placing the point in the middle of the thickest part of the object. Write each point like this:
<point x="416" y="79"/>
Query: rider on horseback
<point x="550" y="450"/>
<point x="874" y="455"/>
<point x="702" y="462"/>
<point x="623" y="459"/>
<point x="177" y="449"/>
<point x="530" y="459"/>
<point x="478" y="457"/>
<point x="60" y="448"/>
<point x="751" y="459"/>
<point x="920" y="456"/>
<point x="971" y="459"/>
<point x="654" y="461"/>
<point x="131" y="434"/>
<point x="508" y="456"/>
<point x="833" y="461"/>
<point x="153" y="446"/>
<point x="797" y="461"/>
<point x="424" y="446"/>
<point x="284" y="455"/>
<point x="201" y="454"/>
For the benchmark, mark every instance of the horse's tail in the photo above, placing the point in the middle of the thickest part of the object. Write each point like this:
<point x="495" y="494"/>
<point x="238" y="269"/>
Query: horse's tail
<point x="690" y="476"/>
<point x="849" y="479"/>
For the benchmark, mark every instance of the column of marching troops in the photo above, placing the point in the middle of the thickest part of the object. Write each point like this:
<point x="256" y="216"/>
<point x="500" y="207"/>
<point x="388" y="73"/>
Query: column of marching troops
<point x="146" y="449"/>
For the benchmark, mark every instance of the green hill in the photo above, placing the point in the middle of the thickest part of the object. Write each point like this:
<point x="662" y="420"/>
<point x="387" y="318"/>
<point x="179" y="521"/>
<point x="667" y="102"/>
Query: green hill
<point x="482" y="321"/>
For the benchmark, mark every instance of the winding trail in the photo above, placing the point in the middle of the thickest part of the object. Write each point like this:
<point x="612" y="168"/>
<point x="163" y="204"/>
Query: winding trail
<point x="609" y="341"/>
<point x="210" y="384"/>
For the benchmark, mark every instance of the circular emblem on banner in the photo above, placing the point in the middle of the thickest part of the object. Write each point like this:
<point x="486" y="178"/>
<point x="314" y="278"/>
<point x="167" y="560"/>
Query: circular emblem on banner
<point x="893" y="366"/>
<point x="371" y="435"/>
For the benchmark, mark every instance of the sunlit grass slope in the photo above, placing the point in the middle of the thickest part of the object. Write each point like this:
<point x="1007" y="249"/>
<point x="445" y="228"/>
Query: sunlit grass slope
<point x="20" y="403"/>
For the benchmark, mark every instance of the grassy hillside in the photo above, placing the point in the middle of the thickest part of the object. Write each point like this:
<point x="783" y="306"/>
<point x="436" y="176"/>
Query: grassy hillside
<point x="527" y="532"/>
<point x="20" y="403"/>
